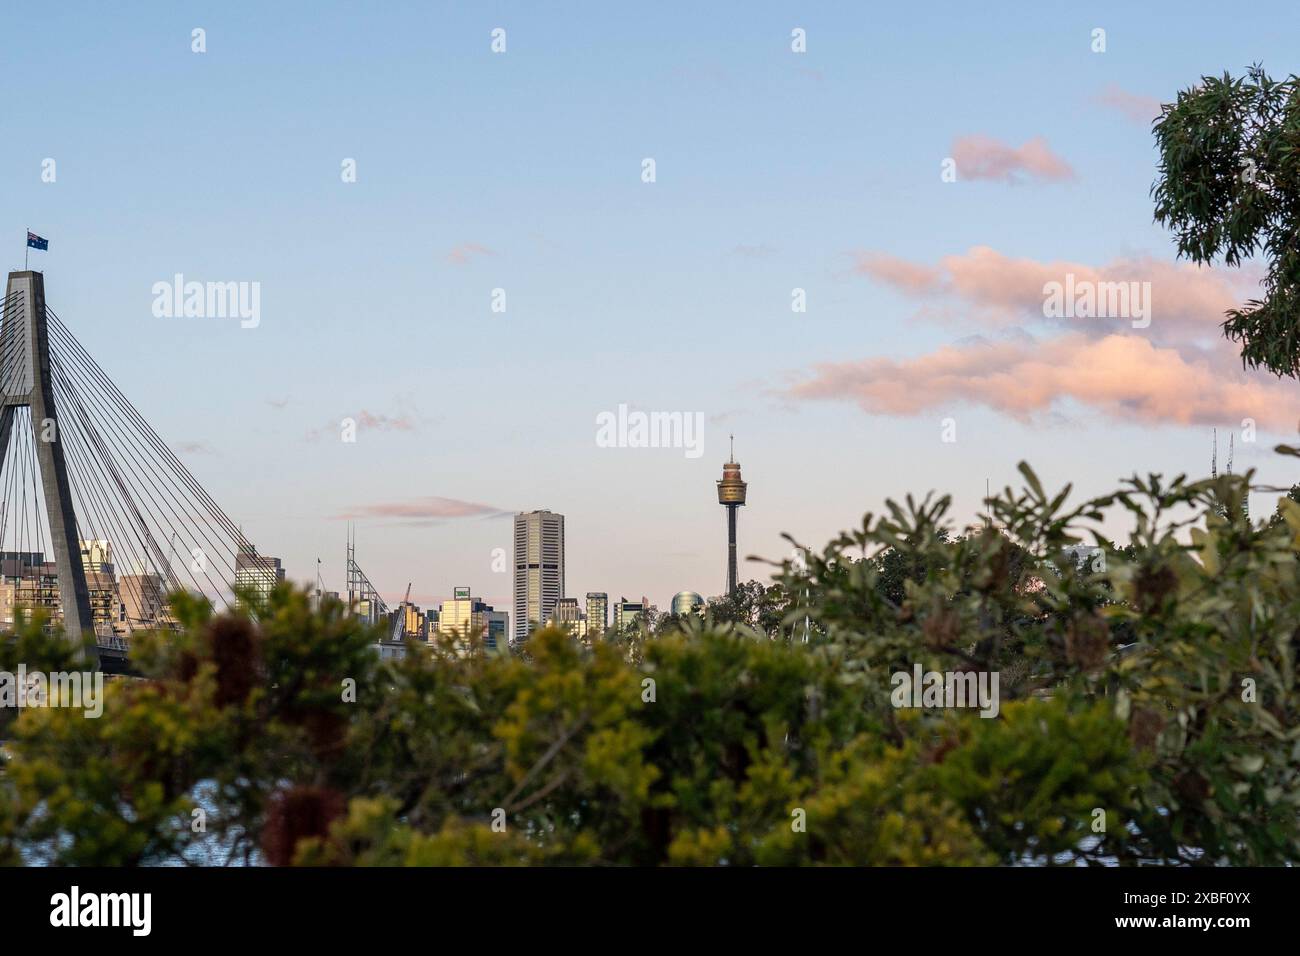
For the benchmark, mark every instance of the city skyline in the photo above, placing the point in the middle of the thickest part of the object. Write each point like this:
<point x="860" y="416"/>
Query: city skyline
<point x="775" y="171"/>
<point x="610" y="437"/>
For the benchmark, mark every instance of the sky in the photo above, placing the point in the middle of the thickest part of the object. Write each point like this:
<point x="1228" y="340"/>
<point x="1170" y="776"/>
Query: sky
<point x="524" y="171"/>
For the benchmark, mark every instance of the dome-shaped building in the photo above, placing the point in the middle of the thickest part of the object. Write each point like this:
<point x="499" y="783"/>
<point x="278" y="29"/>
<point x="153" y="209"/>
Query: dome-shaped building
<point x="687" y="602"/>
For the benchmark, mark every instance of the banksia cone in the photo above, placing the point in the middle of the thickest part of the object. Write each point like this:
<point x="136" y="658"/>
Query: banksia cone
<point x="235" y="649"/>
<point x="297" y="814"/>
<point x="1087" y="641"/>
<point x="1144" y="727"/>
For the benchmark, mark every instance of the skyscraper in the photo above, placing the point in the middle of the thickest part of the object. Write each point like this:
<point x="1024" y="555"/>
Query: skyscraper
<point x="597" y="614"/>
<point x="731" y="495"/>
<point x="259" y="573"/>
<point x="539" y="569"/>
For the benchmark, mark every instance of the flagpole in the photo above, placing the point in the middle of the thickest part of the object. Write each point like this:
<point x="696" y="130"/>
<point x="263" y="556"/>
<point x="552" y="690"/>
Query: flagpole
<point x="26" y="247"/>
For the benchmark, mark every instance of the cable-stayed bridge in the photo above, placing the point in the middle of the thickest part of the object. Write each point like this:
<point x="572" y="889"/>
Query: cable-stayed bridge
<point x="99" y="519"/>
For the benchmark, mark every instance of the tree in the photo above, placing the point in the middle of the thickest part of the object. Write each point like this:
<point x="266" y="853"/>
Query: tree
<point x="1229" y="187"/>
<point x="1292" y="495"/>
<point x="753" y="604"/>
<point x="1146" y="714"/>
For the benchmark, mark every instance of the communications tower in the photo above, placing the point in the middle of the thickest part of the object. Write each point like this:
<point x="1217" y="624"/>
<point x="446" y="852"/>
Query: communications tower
<point x="731" y="495"/>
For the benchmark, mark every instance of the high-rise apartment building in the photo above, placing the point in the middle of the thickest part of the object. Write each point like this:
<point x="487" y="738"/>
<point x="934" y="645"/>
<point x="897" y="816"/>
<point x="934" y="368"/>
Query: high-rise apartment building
<point x="97" y="556"/>
<point x="144" y="600"/>
<point x="597" y="614"/>
<point x="539" y="569"/>
<point x="106" y="608"/>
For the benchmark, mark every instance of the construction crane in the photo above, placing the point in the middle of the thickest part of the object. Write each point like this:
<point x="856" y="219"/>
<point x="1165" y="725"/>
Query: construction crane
<point x="399" y="621"/>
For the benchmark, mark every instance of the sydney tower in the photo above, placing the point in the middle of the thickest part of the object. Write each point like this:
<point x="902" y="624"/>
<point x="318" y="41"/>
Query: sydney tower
<point x="731" y="495"/>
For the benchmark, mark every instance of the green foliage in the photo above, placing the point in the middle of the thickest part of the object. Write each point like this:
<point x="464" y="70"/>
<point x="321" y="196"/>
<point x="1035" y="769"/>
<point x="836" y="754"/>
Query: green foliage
<point x="752" y="605"/>
<point x="1148" y="713"/>
<point x="1230" y="187"/>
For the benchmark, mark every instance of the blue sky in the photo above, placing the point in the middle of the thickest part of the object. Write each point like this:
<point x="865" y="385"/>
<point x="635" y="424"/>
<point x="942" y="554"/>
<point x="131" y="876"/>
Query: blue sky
<point x="775" y="170"/>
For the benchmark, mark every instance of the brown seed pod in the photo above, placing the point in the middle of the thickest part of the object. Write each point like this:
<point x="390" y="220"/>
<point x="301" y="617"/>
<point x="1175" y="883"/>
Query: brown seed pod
<point x="234" y="647"/>
<point x="296" y="814"/>
<point x="1087" y="641"/>
<point x="1154" y="585"/>
<point x="1144" y="727"/>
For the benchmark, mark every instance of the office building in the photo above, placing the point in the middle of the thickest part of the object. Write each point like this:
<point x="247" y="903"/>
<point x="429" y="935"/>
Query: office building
<point x="414" y="626"/>
<point x="539" y="569"/>
<point x="463" y="614"/>
<point x="473" y="620"/>
<point x="257" y="573"/>
<point x="498" y="630"/>
<point x="566" y="611"/>
<point x="627" y="613"/>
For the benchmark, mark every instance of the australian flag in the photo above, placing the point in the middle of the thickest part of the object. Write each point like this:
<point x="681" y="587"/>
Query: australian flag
<point x="36" y="242"/>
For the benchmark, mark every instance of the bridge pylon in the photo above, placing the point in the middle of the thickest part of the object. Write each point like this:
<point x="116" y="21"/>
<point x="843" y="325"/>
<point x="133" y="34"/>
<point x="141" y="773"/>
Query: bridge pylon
<point x="26" y="382"/>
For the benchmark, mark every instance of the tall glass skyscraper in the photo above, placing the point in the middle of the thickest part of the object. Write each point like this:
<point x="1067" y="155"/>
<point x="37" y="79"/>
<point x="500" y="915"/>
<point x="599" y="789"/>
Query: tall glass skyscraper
<point x="539" y="569"/>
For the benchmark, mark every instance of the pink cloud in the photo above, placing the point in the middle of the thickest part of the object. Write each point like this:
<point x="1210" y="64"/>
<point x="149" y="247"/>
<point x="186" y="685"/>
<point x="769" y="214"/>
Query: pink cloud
<point x="460" y="255"/>
<point x="983" y="157"/>
<point x="1187" y="301"/>
<point x="427" y="509"/>
<point x="385" y="423"/>
<point x="1126" y="377"/>
<point x="906" y="276"/>
<point x="1138" y="108"/>
<point x="367" y="421"/>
